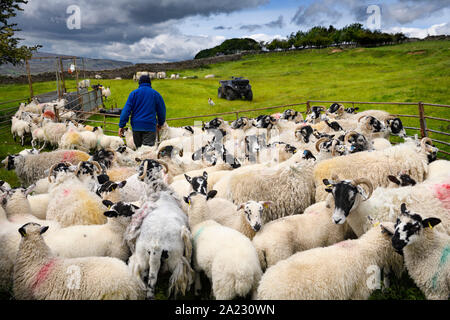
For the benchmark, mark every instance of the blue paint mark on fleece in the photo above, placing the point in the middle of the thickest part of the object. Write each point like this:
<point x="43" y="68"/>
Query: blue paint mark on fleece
<point x="442" y="262"/>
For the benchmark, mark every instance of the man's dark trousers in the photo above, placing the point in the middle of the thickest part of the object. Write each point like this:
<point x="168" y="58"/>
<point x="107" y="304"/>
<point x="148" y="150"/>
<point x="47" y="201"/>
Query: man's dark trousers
<point x="146" y="138"/>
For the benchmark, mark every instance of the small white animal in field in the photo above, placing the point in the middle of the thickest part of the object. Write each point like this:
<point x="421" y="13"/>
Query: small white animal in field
<point x="211" y="103"/>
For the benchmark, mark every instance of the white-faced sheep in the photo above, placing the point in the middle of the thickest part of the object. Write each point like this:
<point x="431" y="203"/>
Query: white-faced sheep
<point x="245" y="218"/>
<point x="410" y="157"/>
<point x="227" y="257"/>
<point x="337" y="272"/>
<point x="20" y="128"/>
<point x="281" y="238"/>
<point x="425" y="251"/>
<point x="40" y="275"/>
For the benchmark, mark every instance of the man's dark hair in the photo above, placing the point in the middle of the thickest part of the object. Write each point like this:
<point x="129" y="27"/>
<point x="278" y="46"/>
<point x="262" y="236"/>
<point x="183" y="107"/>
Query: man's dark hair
<point x="144" y="79"/>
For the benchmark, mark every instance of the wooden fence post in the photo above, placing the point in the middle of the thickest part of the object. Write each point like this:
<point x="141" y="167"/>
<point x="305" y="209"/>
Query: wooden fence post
<point x="308" y="107"/>
<point x="423" y="121"/>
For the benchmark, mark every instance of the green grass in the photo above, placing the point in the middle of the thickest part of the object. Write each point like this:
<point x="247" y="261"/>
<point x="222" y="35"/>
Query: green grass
<point x="389" y="73"/>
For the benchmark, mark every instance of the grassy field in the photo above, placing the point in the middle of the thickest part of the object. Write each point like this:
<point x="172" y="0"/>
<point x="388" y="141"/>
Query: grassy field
<point x="409" y="72"/>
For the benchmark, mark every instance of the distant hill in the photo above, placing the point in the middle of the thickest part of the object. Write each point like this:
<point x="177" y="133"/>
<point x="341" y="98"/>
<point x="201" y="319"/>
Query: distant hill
<point x="48" y="65"/>
<point x="230" y="46"/>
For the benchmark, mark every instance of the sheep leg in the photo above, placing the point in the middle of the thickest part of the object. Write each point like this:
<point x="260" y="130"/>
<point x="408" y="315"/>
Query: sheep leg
<point x="22" y="140"/>
<point x="386" y="275"/>
<point x="14" y="136"/>
<point x="155" y="263"/>
<point x="198" y="284"/>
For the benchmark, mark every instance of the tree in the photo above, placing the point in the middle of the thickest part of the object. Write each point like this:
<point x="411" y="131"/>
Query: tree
<point x="10" y="52"/>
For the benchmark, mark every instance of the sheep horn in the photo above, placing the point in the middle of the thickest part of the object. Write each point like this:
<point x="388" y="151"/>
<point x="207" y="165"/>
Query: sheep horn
<point x="425" y="141"/>
<point x="78" y="167"/>
<point x="50" y="172"/>
<point x="144" y="173"/>
<point x="100" y="170"/>
<point x="166" y="167"/>
<point x="319" y="142"/>
<point x="43" y="146"/>
<point x="359" y="119"/>
<point x="350" y="134"/>
<point x="333" y="147"/>
<point x="365" y="181"/>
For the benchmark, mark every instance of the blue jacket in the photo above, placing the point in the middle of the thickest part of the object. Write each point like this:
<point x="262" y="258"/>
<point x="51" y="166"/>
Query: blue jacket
<point x="144" y="104"/>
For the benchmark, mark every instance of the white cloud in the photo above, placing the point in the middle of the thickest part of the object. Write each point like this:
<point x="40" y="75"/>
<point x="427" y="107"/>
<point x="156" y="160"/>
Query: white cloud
<point x="437" y="29"/>
<point x="163" y="48"/>
<point x="263" y="37"/>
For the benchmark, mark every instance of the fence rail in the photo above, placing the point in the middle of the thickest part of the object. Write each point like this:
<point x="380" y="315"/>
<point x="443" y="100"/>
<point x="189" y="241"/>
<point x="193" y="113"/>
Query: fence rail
<point x="84" y="116"/>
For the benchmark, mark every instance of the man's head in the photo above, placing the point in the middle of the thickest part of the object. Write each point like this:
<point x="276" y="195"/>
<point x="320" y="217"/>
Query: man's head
<point x="144" y="79"/>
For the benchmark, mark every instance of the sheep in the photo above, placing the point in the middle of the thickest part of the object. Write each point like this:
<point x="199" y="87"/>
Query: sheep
<point x="31" y="168"/>
<point x="162" y="240"/>
<point x="394" y="125"/>
<point x="377" y="165"/>
<point x="438" y="170"/>
<point x="281" y="238"/>
<point x="245" y="218"/>
<point x="86" y="83"/>
<point x="161" y="75"/>
<point x="425" y="253"/>
<point x="72" y="203"/>
<point x="40" y="275"/>
<point x="129" y="138"/>
<point x="106" y="92"/>
<point x="17" y="207"/>
<point x="289" y="186"/>
<point x="20" y="128"/>
<point x="113" y="142"/>
<point x="97" y="76"/>
<point x="95" y="240"/>
<point x="337" y="272"/>
<point x="227" y="257"/>
<point x="53" y="132"/>
<point x="37" y="135"/>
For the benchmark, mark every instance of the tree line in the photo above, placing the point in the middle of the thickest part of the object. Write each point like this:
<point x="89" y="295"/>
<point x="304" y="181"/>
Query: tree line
<point x="316" y="37"/>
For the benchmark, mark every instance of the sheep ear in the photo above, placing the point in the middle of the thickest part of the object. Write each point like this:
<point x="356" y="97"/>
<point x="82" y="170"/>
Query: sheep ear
<point x="110" y="214"/>
<point x="387" y="230"/>
<point x="189" y="179"/>
<point x="266" y="204"/>
<point x="403" y="208"/>
<point x="30" y="189"/>
<point x="393" y="179"/>
<point x="186" y="199"/>
<point x="357" y="108"/>
<point x="205" y="175"/>
<point x="22" y="232"/>
<point x="211" y="194"/>
<point x="241" y="206"/>
<point x="430" y="222"/>
<point x="43" y="229"/>
<point x="135" y="207"/>
<point x="102" y="178"/>
<point x="137" y="160"/>
<point x="122" y="184"/>
<point x="107" y="203"/>
<point x="328" y="184"/>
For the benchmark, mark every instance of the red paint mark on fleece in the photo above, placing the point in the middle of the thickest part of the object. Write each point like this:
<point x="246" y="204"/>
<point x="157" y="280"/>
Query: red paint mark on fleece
<point x="68" y="156"/>
<point x="43" y="274"/>
<point x="66" y="192"/>
<point x="442" y="192"/>
<point x="49" y="114"/>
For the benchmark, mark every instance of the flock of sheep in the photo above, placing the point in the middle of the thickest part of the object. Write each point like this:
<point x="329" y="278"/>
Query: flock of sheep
<point x="276" y="207"/>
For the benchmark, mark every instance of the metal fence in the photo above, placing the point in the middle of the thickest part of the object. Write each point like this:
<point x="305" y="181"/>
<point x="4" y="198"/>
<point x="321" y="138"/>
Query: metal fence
<point x="423" y="127"/>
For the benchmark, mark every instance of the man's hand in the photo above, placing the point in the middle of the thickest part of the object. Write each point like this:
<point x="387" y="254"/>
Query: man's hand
<point x="158" y="127"/>
<point x="121" y="132"/>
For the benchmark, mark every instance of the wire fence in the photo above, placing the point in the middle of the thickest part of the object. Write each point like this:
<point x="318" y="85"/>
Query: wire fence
<point x="426" y="125"/>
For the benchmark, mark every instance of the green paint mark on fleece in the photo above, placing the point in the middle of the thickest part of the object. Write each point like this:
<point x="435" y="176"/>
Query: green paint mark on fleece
<point x="443" y="260"/>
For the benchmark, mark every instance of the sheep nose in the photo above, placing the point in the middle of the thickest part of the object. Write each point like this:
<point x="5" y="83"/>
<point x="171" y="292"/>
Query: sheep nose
<point x="337" y="220"/>
<point x="257" y="227"/>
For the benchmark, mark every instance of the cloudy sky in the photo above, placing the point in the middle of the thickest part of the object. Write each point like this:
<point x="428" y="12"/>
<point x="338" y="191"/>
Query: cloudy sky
<point x="173" y="30"/>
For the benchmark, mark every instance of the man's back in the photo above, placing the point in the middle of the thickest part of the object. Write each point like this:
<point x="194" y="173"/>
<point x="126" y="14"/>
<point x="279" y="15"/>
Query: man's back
<point x="144" y="105"/>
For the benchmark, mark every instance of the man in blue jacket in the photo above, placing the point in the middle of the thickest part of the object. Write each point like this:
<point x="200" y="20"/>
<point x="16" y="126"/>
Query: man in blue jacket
<point x="144" y="104"/>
